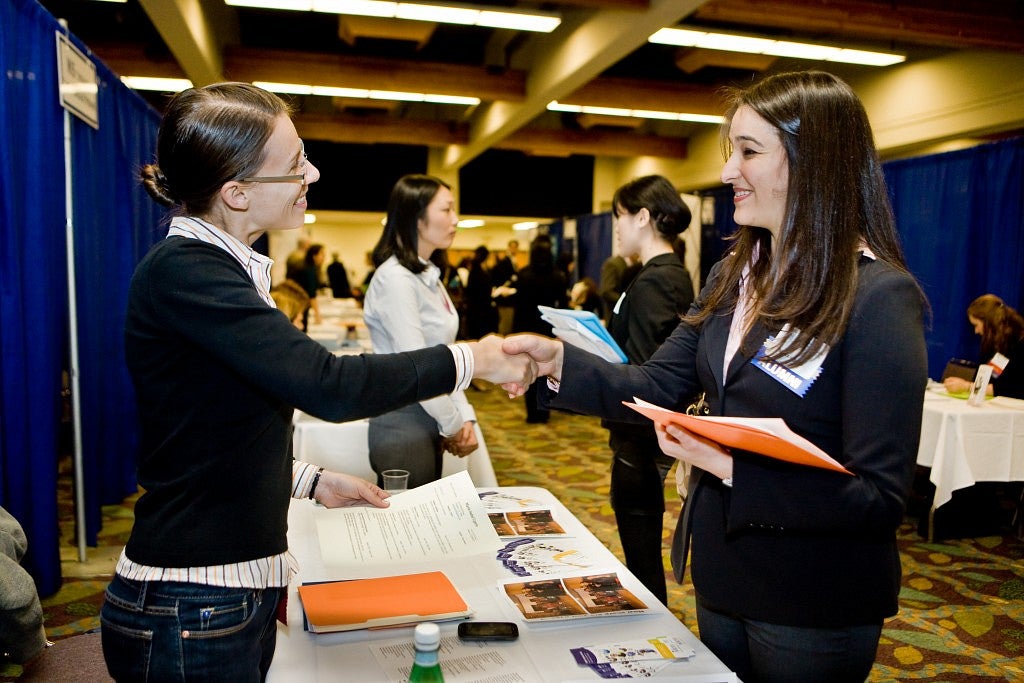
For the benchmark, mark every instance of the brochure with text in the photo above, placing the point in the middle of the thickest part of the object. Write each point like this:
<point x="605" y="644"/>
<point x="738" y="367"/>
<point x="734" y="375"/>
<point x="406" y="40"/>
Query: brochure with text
<point x="764" y="435"/>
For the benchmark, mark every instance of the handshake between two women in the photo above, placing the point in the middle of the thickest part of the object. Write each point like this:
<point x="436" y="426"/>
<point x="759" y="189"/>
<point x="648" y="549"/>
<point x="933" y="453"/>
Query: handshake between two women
<point x="517" y="361"/>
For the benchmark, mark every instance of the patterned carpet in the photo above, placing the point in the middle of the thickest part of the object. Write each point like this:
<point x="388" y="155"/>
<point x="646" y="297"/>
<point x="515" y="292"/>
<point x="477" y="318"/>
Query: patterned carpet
<point x="962" y="603"/>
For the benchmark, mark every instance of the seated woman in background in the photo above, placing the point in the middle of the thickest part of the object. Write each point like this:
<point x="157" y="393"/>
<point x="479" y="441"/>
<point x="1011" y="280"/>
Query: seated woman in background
<point x="1002" y="332"/>
<point x="292" y="300"/>
<point x="407" y="307"/>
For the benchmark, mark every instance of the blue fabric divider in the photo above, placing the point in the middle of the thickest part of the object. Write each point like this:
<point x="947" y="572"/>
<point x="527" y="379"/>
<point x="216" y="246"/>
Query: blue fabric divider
<point x="114" y="224"/>
<point x="594" y="234"/>
<point x="961" y="217"/>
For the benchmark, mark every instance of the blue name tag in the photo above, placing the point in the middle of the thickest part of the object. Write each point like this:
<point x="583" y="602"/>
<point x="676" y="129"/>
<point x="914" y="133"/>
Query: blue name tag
<point x="797" y="379"/>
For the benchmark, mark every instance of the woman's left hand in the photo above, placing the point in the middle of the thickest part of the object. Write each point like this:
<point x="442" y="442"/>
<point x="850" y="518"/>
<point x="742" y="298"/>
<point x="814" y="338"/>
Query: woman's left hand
<point x="463" y="443"/>
<point x="684" y="445"/>
<point x="336" y="490"/>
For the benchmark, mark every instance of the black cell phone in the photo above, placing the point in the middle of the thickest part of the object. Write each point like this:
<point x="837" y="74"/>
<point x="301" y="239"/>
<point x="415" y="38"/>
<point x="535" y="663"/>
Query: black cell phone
<point x="488" y="630"/>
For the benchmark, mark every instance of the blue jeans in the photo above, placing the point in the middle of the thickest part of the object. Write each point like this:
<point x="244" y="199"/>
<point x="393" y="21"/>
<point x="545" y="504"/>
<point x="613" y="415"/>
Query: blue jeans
<point x="760" y="652"/>
<point x="164" y="631"/>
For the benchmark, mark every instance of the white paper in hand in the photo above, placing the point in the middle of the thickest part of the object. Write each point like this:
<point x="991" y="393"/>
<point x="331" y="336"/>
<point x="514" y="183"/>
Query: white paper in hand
<point x="583" y="330"/>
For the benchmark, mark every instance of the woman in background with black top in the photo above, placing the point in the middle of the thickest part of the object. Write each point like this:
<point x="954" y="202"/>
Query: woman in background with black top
<point x="811" y="317"/>
<point x="649" y="216"/>
<point x="217" y="370"/>
<point x="538" y="284"/>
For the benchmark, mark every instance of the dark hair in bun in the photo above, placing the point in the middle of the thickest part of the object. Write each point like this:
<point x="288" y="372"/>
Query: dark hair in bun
<point x="655" y="193"/>
<point x="208" y="136"/>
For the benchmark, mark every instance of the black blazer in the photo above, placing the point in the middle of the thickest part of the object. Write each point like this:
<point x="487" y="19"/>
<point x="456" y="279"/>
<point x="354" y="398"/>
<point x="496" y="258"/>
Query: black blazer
<point x="790" y="544"/>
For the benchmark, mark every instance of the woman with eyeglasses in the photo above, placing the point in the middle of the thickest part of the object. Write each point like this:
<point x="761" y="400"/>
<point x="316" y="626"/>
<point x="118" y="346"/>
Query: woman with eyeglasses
<point x="217" y="370"/>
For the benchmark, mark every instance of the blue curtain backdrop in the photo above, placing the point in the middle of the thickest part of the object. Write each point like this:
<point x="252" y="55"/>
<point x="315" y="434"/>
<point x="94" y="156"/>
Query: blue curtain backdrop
<point x="33" y="295"/>
<point x="594" y="236"/>
<point x="114" y="224"/>
<point x="961" y="216"/>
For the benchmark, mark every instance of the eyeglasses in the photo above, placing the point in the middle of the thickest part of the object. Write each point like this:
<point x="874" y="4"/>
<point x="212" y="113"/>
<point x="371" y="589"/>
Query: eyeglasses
<point x="297" y="178"/>
<point x="294" y="178"/>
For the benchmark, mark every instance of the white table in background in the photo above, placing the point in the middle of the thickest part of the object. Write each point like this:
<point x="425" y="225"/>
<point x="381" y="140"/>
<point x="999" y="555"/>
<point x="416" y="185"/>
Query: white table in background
<point x="308" y="658"/>
<point x="964" y="444"/>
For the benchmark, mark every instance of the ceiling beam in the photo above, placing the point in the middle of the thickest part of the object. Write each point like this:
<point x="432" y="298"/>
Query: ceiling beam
<point x="190" y="33"/>
<point x="566" y="60"/>
<point x="443" y="79"/>
<point x="627" y="93"/>
<point x="944" y="24"/>
<point x="546" y="142"/>
<point x="378" y="129"/>
<point x="283" y="66"/>
<point x="596" y="142"/>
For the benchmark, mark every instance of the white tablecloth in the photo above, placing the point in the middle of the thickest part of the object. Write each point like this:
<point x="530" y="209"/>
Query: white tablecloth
<point x="542" y="648"/>
<point x="343" y="447"/>
<point x="965" y="444"/>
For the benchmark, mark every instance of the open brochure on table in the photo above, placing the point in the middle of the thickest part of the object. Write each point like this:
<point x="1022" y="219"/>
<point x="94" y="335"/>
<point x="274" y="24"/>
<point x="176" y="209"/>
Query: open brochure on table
<point x="584" y="330"/>
<point x="769" y="436"/>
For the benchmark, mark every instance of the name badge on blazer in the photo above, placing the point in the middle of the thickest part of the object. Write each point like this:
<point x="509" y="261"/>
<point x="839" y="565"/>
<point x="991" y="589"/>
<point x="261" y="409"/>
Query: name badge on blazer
<point x="797" y="379"/>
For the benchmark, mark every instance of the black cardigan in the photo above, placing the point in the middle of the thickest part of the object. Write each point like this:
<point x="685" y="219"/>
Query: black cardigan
<point x="217" y="372"/>
<point x="790" y="544"/>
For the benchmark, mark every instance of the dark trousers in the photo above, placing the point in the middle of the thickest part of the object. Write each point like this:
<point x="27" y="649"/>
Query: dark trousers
<point x="638" y="476"/>
<point x="406" y="439"/>
<point x="760" y="652"/>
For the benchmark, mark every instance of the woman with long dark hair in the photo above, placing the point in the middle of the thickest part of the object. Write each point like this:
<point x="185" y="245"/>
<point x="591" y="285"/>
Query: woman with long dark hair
<point x="812" y="317"/>
<point x="407" y="307"/>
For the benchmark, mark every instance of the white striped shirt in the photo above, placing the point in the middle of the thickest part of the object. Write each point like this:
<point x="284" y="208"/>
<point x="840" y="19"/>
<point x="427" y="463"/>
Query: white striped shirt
<point x="265" y="572"/>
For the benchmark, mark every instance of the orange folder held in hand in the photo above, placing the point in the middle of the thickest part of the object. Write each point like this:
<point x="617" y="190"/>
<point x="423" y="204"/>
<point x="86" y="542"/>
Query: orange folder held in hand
<point x="379" y="602"/>
<point x="764" y="435"/>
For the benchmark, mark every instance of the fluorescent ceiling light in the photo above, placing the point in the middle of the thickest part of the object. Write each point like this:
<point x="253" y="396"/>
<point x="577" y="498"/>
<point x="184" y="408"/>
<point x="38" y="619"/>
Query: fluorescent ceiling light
<point x="525" y="225"/>
<point x="471" y="223"/>
<point x="554" y="105"/>
<point x="539" y="23"/>
<point x="363" y="93"/>
<point x="447" y="13"/>
<point x="780" y="48"/>
<point x="309" y="218"/>
<point x="156" y="84"/>
<point x="438" y="13"/>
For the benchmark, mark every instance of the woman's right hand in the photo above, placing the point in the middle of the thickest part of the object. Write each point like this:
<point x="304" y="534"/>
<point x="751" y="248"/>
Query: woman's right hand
<point x="956" y="385"/>
<point x="547" y="353"/>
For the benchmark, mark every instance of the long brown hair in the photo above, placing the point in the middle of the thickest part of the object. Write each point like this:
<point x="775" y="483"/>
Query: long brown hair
<point x="836" y="198"/>
<point x="1001" y="325"/>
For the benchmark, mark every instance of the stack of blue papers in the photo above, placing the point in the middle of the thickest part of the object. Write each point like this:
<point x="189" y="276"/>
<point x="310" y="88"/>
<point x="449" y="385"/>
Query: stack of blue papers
<point x="584" y="330"/>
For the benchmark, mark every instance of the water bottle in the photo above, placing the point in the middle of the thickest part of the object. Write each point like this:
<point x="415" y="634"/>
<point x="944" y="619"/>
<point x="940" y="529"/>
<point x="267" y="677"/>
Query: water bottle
<point x="425" y="668"/>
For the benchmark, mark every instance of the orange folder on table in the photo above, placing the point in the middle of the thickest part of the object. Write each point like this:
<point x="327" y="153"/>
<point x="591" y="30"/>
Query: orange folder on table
<point x="765" y="435"/>
<point x="385" y="601"/>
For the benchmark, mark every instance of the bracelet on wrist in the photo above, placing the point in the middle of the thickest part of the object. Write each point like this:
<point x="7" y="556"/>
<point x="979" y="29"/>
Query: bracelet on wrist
<point x="316" y="480"/>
